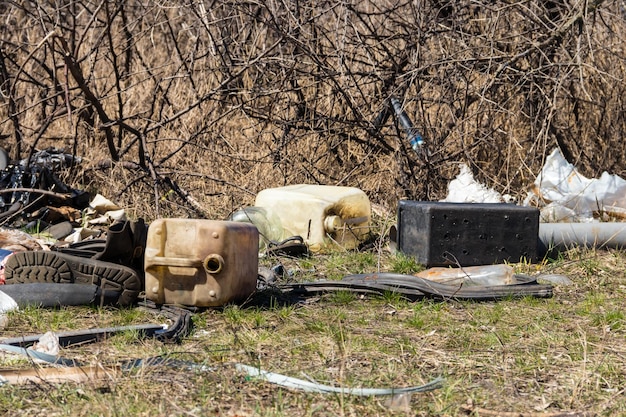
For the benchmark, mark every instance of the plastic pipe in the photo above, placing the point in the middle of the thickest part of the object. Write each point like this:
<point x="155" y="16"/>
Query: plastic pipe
<point x="563" y="236"/>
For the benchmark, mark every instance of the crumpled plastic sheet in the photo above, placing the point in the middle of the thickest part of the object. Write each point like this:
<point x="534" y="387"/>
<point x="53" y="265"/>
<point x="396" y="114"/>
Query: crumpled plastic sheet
<point x="560" y="192"/>
<point x="6" y="304"/>
<point x="563" y="194"/>
<point x="465" y="189"/>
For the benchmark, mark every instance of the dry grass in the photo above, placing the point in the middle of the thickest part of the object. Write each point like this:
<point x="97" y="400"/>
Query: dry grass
<point x="227" y="100"/>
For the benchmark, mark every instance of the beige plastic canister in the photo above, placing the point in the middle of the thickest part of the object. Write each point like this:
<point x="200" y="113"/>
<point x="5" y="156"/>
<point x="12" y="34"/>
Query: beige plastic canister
<point x="322" y="215"/>
<point x="202" y="263"/>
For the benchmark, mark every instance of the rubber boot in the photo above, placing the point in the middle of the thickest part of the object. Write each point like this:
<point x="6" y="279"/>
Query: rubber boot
<point x="119" y="244"/>
<point x="124" y="244"/>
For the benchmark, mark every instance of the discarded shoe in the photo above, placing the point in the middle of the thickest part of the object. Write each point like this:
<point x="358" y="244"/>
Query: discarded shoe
<point x="49" y="266"/>
<point x="124" y="244"/>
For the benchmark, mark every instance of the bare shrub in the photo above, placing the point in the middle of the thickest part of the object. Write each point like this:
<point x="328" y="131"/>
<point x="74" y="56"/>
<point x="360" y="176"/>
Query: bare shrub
<point x="196" y="106"/>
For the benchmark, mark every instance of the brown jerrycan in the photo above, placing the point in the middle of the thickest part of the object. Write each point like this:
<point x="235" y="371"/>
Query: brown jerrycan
<point x="203" y="263"/>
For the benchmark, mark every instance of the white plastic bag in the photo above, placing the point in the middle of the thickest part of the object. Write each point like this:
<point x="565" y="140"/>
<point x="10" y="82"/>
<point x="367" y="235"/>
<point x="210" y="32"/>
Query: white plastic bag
<point x="563" y="194"/>
<point x="465" y="189"/>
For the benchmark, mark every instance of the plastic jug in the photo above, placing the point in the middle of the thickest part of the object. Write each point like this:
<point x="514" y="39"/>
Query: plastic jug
<point x="322" y="215"/>
<point x="202" y="263"/>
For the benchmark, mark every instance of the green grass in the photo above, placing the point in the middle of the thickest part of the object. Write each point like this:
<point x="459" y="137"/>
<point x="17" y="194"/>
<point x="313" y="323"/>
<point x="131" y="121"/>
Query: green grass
<point x="559" y="354"/>
<point x="404" y="264"/>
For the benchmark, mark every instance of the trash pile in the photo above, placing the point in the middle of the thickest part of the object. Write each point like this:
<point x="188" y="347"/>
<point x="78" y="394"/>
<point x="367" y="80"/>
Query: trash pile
<point x="60" y="246"/>
<point x="31" y="191"/>
<point x="574" y="211"/>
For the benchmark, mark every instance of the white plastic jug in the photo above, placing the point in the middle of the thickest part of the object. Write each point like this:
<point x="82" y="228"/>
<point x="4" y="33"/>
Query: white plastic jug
<point x="322" y="215"/>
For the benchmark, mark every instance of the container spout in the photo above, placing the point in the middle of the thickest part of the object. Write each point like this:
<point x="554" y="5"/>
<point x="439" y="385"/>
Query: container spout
<point x="332" y="224"/>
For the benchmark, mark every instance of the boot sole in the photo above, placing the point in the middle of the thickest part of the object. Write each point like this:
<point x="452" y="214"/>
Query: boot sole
<point x="53" y="267"/>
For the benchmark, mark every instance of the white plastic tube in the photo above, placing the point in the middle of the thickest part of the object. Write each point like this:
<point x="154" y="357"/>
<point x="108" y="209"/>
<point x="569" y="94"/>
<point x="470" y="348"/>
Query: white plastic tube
<point x="562" y="236"/>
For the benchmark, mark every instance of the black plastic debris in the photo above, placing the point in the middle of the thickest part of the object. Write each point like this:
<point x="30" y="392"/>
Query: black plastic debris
<point x="32" y="184"/>
<point x="416" y="288"/>
<point x="465" y="234"/>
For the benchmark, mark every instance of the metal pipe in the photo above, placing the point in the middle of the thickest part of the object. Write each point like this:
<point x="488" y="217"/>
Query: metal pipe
<point x="563" y="236"/>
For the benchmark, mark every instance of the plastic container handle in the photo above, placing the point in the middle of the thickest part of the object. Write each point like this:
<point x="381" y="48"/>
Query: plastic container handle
<point x="212" y="264"/>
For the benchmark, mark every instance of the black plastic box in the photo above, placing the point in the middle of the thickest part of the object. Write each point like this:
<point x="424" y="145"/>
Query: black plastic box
<point x="466" y="234"/>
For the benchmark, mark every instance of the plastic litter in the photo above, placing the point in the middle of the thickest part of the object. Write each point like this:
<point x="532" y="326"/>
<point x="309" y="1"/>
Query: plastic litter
<point x="466" y="234"/>
<point x="564" y="195"/>
<point x="415" y="139"/>
<point x="557" y="279"/>
<point x="101" y="210"/>
<point x="38" y="356"/>
<point x="323" y="215"/>
<point x="9" y="376"/>
<point x="266" y="221"/>
<point x="472" y="275"/>
<point x="564" y="236"/>
<point x="307" y="386"/>
<point x="7" y="303"/>
<point x="82" y="233"/>
<point x="48" y="343"/>
<point x="399" y="403"/>
<point x="465" y="189"/>
<point x="202" y="263"/>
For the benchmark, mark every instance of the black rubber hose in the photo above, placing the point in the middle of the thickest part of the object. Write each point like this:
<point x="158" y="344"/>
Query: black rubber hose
<point x="57" y="294"/>
<point x="438" y="290"/>
<point x="415" y="288"/>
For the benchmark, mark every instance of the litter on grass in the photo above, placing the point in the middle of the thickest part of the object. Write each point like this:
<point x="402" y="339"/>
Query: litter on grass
<point x="13" y="376"/>
<point x="465" y="189"/>
<point x="560" y="191"/>
<point x="565" y="195"/>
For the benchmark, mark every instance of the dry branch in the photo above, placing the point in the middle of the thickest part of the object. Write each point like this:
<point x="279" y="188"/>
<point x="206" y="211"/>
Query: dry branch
<point x="261" y="94"/>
